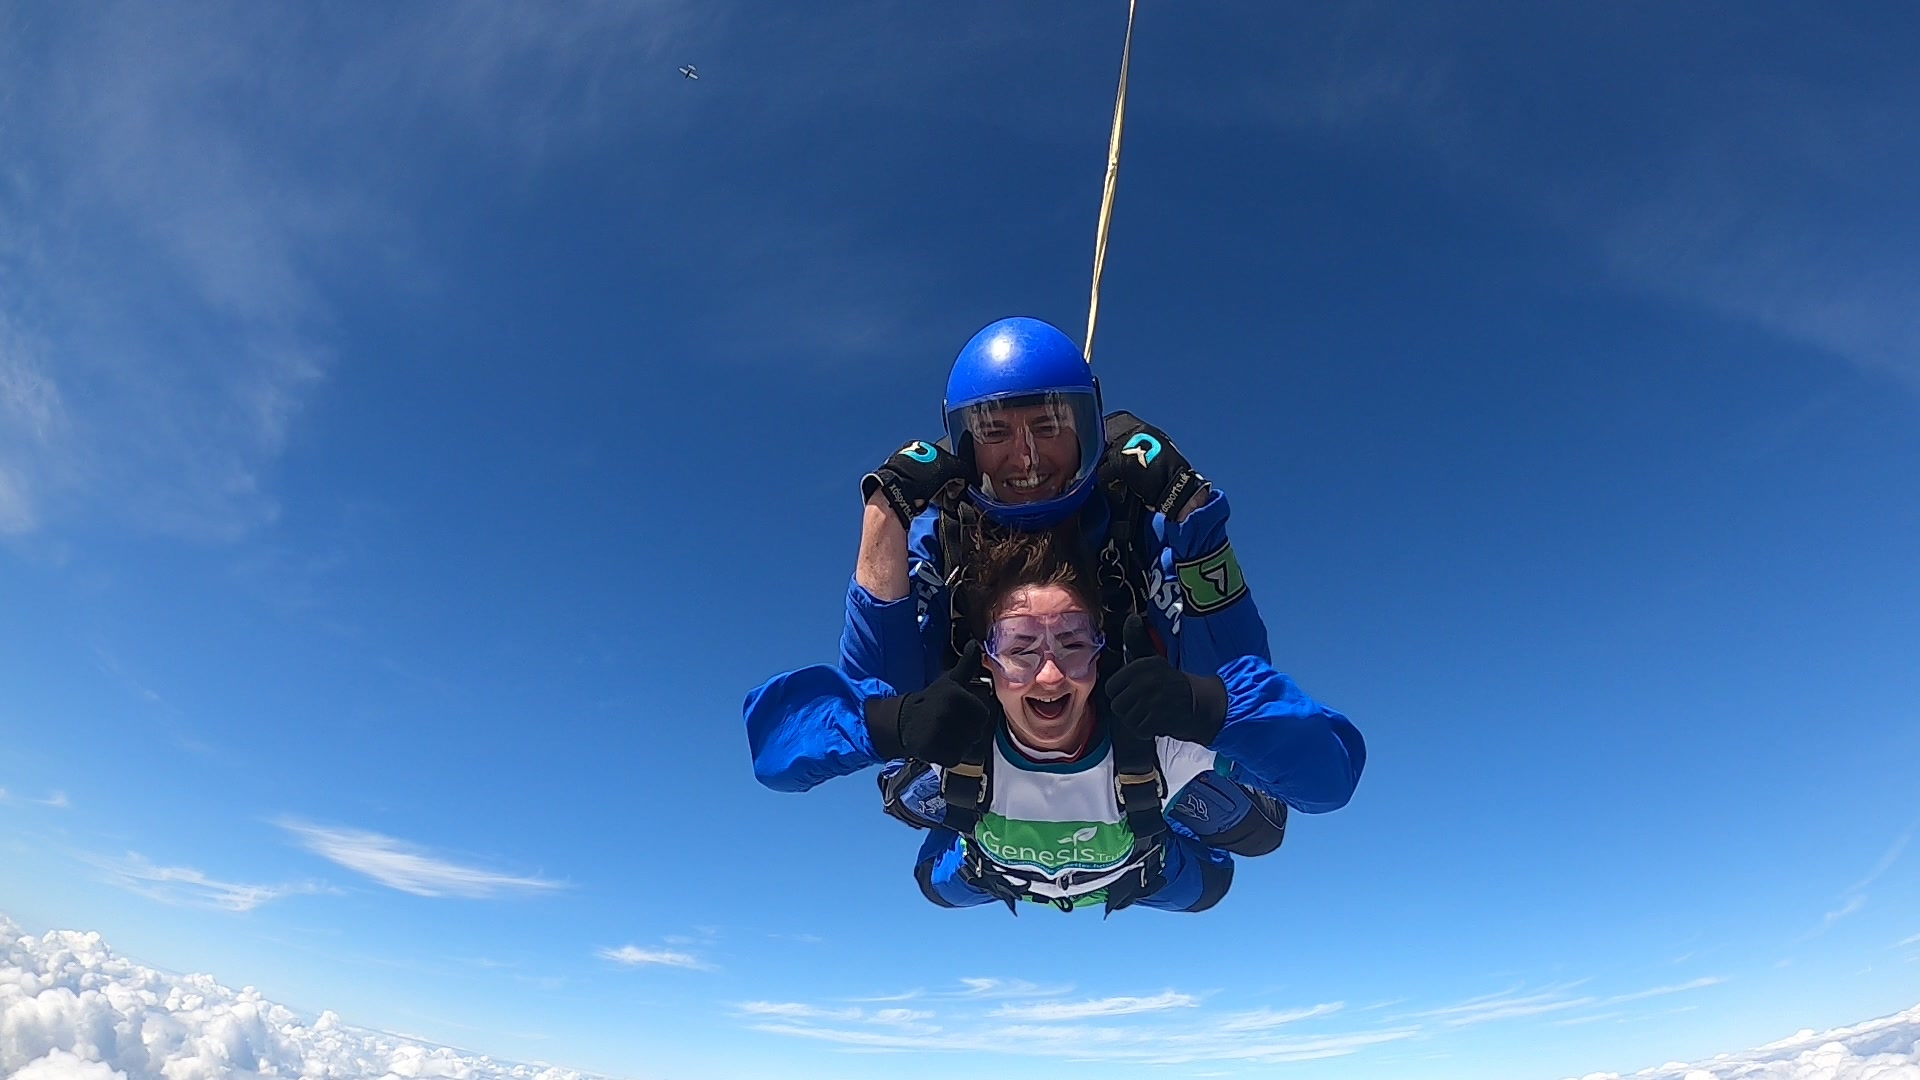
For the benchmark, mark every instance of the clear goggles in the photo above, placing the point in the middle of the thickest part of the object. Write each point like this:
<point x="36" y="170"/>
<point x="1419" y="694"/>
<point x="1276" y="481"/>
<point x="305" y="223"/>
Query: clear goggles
<point x="1029" y="447"/>
<point x="1020" y="645"/>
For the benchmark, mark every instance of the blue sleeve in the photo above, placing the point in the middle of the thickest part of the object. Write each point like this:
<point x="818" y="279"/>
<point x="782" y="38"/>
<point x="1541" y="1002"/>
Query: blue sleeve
<point x="809" y="726"/>
<point x="1216" y="622"/>
<point x="897" y="641"/>
<point x="879" y="634"/>
<point x="1285" y="743"/>
<point x="937" y="869"/>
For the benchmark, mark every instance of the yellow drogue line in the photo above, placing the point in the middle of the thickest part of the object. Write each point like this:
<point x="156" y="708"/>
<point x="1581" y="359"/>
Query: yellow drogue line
<point x="1113" y="176"/>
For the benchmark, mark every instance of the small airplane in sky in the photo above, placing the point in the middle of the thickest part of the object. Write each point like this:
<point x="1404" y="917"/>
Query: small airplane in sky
<point x="689" y="71"/>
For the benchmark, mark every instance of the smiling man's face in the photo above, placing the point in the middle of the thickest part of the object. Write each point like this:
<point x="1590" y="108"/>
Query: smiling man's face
<point x="1025" y="453"/>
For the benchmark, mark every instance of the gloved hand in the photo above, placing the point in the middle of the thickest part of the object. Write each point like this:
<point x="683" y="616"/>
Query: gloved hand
<point x="912" y="477"/>
<point x="1152" y="697"/>
<point x="1142" y="458"/>
<point x="938" y="724"/>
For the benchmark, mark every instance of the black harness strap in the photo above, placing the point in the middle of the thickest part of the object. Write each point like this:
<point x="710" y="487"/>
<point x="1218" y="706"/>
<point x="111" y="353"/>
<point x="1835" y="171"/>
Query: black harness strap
<point x="964" y="787"/>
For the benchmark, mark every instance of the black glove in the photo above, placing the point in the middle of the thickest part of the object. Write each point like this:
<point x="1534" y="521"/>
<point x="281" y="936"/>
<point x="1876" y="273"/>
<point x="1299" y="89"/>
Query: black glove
<point x="912" y="477"/>
<point x="938" y="724"/>
<point x="1152" y="697"/>
<point x="1140" y="457"/>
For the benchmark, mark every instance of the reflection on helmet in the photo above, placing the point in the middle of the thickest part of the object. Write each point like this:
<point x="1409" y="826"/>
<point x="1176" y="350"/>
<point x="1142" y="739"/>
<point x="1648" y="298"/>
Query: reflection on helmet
<point x="1022" y="401"/>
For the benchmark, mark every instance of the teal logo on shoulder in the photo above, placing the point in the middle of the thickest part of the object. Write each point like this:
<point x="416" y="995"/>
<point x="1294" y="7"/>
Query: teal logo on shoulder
<point x="1142" y="448"/>
<point x="922" y="452"/>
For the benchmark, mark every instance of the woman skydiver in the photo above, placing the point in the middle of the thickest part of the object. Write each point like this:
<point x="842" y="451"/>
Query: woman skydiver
<point x="1044" y="774"/>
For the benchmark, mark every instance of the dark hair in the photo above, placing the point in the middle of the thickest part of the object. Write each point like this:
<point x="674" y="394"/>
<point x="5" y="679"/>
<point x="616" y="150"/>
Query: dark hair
<point x="1003" y="560"/>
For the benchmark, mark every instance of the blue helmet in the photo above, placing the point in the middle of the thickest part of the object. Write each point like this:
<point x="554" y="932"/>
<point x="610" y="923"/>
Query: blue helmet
<point x="1023" y="404"/>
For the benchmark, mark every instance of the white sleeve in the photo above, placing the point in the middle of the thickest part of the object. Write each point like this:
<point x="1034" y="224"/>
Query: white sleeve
<point x="1181" y="761"/>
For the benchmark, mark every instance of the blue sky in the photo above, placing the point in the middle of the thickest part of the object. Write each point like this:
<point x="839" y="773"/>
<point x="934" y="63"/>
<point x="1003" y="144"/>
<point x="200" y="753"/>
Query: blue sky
<point x="420" y="427"/>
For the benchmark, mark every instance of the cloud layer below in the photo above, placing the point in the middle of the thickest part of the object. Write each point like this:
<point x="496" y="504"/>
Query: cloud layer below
<point x="72" y="1010"/>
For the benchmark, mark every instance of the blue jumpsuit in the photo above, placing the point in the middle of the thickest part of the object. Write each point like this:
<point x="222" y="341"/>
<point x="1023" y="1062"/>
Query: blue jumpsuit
<point x="808" y="726"/>
<point x="903" y="642"/>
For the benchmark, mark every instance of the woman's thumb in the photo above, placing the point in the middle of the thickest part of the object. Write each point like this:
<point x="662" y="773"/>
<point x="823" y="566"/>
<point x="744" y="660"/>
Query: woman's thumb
<point x="1139" y="640"/>
<point x="969" y="665"/>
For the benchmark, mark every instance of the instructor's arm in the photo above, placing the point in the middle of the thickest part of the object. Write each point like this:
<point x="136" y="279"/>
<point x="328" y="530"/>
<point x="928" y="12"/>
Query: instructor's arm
<point x="882" y="567"/>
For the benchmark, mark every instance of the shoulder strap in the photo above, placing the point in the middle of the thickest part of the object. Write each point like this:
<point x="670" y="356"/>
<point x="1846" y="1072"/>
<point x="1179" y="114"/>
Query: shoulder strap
<point x="1139" y="785"/>
<point x="967" y="789"/>
<point x="1129" y="523"/>
<point x="957" y="522"/>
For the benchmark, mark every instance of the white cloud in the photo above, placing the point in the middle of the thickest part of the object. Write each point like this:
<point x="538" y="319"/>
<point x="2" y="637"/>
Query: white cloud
<point x="32" y="420"/>
<point x="1262" y="1019"/>
<point x="1885" y="864"/>
<point x="999" y="988"/>
<point x="1852" y="906"/>
<point x="635" y="956"/>
<point x="795" y="1010"/>
<point x="182" y="194"/>
<point x="408" y="868"/>
<point x="56" y="800"/>
<point x="1506" y="1005"/>
<point x="1138" y="1045"/>
<point x="1884" y="1049"/>
<point x="1153" y="1034"/>
<point x="1050" y="1011"/>
<point x="188" y="887"/>
<point x="1661" y="991"/>
<point x="1576" y="1021"/>
<point x="69" y="1004"/>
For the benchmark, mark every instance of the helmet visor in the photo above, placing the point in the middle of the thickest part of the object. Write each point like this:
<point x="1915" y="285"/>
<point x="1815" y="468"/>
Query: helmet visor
<point x="1028" y="448"/>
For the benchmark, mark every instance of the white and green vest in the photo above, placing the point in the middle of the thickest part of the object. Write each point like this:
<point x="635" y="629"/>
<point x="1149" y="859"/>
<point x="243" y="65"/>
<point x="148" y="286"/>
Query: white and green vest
<point x="1061" y="819"/>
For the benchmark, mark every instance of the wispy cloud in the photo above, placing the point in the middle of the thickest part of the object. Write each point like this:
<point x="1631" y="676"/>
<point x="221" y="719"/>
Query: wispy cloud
<point x="1145" y="1046"/>
<point x="187" y="887"/>
<point x="1518" y="1003"/>
<point x="1172" y="1027"/>
<point x="1053" y="1011"/>
<point x="635" y="956"/>
<point x="1576" y="1021"/>
<point x="407" y="867"/>
<point x="182" y="195"/>
<point x="1263" y="1019"/>
<point x="1827" y="921"/>
<point x="999" y="988"/>
<point x="1661" y="991"/>
<point x="1885" y="864"/>
<point x="56" y="800"/>
<point x="1506" y="1005"/>
<point x="966" y="1022"/>
<point x="795" y="1010"/>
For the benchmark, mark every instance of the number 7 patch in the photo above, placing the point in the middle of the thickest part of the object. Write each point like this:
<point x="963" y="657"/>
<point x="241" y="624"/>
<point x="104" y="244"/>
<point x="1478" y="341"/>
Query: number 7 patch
<point x="1213" y="581"/>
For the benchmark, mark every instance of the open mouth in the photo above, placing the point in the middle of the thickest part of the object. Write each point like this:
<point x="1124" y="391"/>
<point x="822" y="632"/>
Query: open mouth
<point x="1049" y="708"/>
